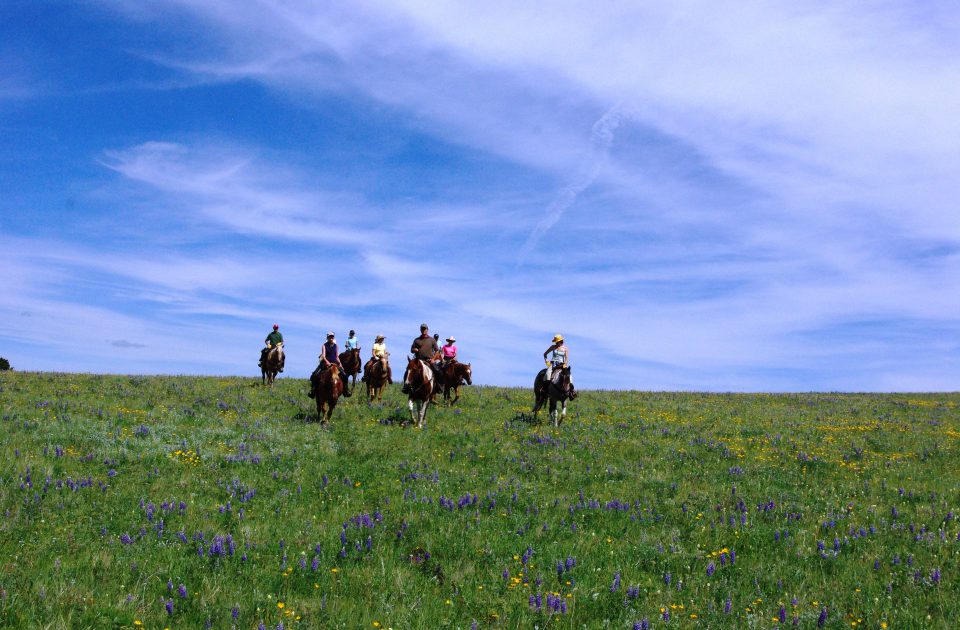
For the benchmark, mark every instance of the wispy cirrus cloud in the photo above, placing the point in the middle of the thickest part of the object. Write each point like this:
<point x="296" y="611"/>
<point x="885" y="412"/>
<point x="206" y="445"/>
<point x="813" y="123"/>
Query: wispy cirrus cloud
<point x="762" y="209"/>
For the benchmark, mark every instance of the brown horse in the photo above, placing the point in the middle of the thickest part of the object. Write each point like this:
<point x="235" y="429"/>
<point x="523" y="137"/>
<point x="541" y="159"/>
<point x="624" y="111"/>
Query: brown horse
<point x="558" y="389"/>
<point x="326" y="386"/>
<point x="375" y="376"/>
<point x="418" y="384"/>
<point x="350" y="360"/>
<point x="454" y="374"/>
<point x="270" y="366"/>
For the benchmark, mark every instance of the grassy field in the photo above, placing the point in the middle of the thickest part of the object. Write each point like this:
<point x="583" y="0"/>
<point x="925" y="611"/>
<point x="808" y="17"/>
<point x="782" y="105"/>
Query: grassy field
<point x="181" y="502"/>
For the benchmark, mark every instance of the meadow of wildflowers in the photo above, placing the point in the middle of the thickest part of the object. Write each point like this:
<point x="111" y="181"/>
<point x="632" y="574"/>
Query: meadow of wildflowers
<point x="182" y="502"/>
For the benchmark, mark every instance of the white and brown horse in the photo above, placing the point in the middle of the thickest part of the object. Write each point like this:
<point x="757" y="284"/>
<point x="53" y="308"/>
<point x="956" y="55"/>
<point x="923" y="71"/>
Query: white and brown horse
<point x="418" y="383"/>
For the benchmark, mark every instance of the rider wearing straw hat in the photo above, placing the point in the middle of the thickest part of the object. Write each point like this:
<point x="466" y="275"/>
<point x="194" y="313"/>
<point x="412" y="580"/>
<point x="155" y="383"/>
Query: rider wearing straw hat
<point x="559" y="356"/>
<point x="379" y="353"/>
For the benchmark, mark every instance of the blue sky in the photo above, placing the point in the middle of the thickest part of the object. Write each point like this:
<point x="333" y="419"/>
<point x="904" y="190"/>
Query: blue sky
<point x="698" y="195"/>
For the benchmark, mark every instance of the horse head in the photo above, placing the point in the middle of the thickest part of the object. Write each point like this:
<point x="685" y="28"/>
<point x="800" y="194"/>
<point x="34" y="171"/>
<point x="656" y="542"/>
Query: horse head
<point x="564" y="381"/>
<point x="468" y="374"/>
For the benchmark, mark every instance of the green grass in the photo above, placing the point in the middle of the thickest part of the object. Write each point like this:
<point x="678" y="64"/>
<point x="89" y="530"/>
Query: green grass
<point x="640" y="484"/>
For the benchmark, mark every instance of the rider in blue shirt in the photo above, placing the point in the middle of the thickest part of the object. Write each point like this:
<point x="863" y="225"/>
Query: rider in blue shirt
<point x="352" y="343"/>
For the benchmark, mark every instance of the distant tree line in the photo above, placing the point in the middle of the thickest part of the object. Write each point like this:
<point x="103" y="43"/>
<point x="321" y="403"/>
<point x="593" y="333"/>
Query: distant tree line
<point x="4" y="365"/>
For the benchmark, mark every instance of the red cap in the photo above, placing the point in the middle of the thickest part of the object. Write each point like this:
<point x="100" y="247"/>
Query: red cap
<point x="275" y="327"/>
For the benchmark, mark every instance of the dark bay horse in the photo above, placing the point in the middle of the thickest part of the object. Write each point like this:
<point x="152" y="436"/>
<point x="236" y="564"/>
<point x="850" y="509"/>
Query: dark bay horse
<point x="326" y="386"/>
<point x="558" y="389"/>
<point x="350" y="360"/>
<point x="270" y="366"/>
<point x="375" y="376"/>
<point x="454" y="375"/>
<point x="419" y="384"/>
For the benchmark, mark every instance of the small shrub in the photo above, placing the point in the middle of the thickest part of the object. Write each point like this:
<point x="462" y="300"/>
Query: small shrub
<point x="4" y="365"/>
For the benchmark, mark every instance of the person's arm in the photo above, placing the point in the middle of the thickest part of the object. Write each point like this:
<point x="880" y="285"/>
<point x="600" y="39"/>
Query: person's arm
<point x="566" y="357"/>
<point x="413" y="346"/>
<point x="546" y="352"/>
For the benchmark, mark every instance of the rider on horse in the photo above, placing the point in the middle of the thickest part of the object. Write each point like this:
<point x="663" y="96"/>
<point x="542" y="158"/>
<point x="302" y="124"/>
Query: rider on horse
<point x="448" y="352"/>
<point x="274" y="341"/>
<point x="380" y="354"/>
<point x="331" y="356"/>
<point x="559" y="357"/>
<point x="352" y="343"/>
<point x="426" y="349"/>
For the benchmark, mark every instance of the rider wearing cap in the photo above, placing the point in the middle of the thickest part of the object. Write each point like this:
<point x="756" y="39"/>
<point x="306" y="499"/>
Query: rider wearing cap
<point x="274" y="340"/>
<point x="352" y="343"/>
<point x="426" y="349"/>
<point x="331" y="356"/>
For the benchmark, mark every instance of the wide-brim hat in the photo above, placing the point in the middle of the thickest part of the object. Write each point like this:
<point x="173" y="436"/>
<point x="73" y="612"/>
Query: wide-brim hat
<point x="330" y="334"/>
<point x="380" y="337"/>
<point x="450" y="339"/>
<point x="557" y="338"/>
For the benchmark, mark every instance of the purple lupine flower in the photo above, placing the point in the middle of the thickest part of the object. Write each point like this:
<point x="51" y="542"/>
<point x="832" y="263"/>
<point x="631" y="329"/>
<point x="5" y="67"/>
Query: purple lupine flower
<point x="666" y="578"/>
<point x="169" y="606"/>
<point x="733" y="557"/>
<point x="616" y="583"/>
<point x="169" y="586"/>
<point x="727" y="606"/>
<point x="473" y="626"/>
<point x="822" y="619"/>
<point x="235" y="613"/>
<point x="666" y="614"/>
<point x="261" y="626"/>
<point x="710" y="569"/>
<point x="182" y="591"/>
<point x="783" y="614"/>
<point x="935" y="575"/>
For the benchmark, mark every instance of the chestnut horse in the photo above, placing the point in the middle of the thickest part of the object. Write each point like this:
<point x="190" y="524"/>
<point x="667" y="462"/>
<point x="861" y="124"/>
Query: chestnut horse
<point x="350" y="360"/>
<point x="270" y="366"/>
<point x="326" y="386"/>
<point x="559" y="389"/>
<point x="454" y="374"/>
<point x="376" y="379"/>
<point x="419" y="386"/>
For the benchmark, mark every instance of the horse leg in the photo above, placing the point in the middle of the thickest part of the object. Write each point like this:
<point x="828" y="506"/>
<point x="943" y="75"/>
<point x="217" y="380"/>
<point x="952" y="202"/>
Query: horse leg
<point x="553" y="412"/>
<point x="456" y="394"/>
<point x="423" y="413"/>
<point x="413" y="419"/>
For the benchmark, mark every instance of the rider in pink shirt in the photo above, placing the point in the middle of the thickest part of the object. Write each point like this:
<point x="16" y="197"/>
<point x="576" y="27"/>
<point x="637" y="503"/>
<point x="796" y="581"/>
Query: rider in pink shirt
<point x="449" y="351"/>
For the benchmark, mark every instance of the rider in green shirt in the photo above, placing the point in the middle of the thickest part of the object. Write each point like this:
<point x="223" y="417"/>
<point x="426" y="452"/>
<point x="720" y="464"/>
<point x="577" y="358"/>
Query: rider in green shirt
<point x="273" y="341"/>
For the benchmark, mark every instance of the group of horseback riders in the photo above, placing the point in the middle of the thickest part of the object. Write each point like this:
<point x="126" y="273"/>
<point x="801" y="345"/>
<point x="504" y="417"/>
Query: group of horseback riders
<point x="425" y="347"/>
